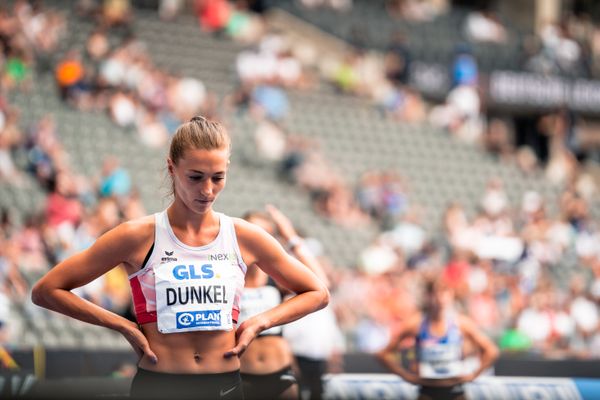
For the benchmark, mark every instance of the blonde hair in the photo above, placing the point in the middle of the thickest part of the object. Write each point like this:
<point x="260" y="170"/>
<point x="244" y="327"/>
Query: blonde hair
<point x="199" y="133"/>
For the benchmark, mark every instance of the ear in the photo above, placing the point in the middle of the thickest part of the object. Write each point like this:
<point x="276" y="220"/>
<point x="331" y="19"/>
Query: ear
<point x="170" y="166"/>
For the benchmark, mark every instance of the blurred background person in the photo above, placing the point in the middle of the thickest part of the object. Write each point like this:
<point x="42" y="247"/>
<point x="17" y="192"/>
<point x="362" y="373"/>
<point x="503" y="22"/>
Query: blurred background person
<point x="440" y="335"/>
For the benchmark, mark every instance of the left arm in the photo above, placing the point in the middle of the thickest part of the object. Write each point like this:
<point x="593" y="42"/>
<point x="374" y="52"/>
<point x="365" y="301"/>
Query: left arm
<point x="489" y="350"/>
<point x="262" y="249"/>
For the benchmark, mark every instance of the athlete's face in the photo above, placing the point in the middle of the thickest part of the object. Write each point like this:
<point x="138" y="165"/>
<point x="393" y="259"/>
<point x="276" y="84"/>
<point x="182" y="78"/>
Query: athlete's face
<point x="439" y="300"/>
<point x="199" y="176"/>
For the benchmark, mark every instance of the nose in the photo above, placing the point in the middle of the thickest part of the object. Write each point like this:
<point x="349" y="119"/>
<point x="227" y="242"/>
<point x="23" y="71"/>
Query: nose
<point x="206" y="189"/>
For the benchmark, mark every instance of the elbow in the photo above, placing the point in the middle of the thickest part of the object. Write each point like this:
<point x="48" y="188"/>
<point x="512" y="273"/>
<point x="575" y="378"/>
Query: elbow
<point x="324" y="297"/>
<point x="383" y="358"/>
<point x="493" y="353"/>
<point x="39" y="295"/>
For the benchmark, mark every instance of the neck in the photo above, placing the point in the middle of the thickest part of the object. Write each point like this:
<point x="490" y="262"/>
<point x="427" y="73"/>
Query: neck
<point x="437" y="316"/>
<point x="182" y="217"/>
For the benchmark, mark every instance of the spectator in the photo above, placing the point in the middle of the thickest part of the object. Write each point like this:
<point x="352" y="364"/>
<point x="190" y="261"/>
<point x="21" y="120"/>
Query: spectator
<point x="115" y="180"/>
<point x="213" y="15"/>
<point x="116" y="13"/>
<point x="464" y="67"/>
<point x="62" y="206"/>
<point x="169" y="9"/>
<point x="270" y="102"/>
<point x="484" y="26"/>
<point x="18" y="70"/>
<point x="270" y="141"/>
<point x="397" y="60"/>
<point x="8" y="170"/>
<point x="415" y="10"/>
<point x="69" y="74"/>
<point x="497" y="140"/>
<point x="97" y="45"/>
<point x="314" y="340"/>
<point x="461" y="113"/>
<point x="123" y="109"/>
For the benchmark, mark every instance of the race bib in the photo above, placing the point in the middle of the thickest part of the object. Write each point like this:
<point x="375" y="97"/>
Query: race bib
<point x="195" y="297"/>
<point x="440" y="361"/>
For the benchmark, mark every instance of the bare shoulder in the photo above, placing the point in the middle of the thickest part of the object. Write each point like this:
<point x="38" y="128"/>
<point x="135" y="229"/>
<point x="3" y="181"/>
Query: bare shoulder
<point x="409" y="328"/>
<point x="465" y="323"/>
<point x="132" y="239"/>
<point x="137" y="230"/>
<point x="143" y="226"/>
<point x="413" y="323"/>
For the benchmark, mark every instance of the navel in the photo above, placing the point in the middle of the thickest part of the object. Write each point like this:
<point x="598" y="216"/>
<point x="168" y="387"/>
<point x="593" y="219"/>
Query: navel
<point x="197" y="357"/>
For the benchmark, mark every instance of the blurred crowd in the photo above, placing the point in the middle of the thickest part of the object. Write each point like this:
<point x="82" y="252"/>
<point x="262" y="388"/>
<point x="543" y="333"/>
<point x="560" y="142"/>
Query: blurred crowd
<point x="530" y="279"/>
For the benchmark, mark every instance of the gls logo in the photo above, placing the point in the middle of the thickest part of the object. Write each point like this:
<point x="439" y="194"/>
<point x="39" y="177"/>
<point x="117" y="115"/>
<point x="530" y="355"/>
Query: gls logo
<point x="168" y="257"/>
<point x="182" y="272"/>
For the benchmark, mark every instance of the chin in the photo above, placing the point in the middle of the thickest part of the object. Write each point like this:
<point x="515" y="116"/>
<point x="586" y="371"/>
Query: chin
<point x="202" y="208"/>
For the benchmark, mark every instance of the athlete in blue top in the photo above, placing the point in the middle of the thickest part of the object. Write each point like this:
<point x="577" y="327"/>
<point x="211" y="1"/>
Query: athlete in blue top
<point x="439" y="332"/>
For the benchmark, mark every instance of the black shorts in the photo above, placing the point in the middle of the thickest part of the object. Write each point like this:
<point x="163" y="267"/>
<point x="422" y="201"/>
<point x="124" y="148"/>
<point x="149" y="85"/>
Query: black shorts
<point x="267" y="386"/>
<point x="442" y="393"/>
<point x="159" y="385"/>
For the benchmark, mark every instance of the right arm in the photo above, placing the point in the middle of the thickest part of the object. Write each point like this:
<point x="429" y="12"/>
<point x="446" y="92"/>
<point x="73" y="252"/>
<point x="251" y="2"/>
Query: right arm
<point x="387" y="356"/>
<point x="53" y="290"/>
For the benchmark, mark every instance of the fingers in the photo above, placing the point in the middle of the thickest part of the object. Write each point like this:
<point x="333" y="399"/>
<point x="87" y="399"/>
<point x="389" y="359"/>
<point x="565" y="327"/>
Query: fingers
<point x="148" y="351"/>
<point x="236" y="351"/>
<point x="243" y="340"/>
<point x="140" y="344"/>
<point x="143" y="344"/>
<point x="243" y="337"/>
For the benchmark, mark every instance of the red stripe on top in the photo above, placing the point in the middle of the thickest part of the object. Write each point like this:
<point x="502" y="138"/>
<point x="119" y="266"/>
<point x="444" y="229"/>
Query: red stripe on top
<point x="139" y="303"/>
<point x="235" y="313"/>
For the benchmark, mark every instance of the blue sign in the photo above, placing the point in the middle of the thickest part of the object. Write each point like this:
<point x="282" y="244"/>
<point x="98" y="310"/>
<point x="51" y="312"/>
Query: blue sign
<point x="193" y="319"/>
<point x="388" y="386"/>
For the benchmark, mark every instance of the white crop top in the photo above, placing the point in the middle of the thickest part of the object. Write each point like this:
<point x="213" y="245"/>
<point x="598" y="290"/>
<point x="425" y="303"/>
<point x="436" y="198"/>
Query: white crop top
<point x="185" y="288"/>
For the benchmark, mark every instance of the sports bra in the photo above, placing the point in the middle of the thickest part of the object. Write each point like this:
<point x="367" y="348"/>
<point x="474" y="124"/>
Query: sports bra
<point x="440" y="356"/>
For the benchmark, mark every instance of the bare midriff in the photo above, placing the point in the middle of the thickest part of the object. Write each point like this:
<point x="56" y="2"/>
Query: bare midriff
<point x="200" y="352"/>
<point x="266" y="354"/>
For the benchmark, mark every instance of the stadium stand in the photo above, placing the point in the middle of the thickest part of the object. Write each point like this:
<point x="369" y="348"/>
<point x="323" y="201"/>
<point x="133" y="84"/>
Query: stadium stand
<point x="353" y="135"/>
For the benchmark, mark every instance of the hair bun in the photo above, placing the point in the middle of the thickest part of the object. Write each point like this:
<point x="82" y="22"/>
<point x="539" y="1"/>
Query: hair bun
<point x="198" y="118"/>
